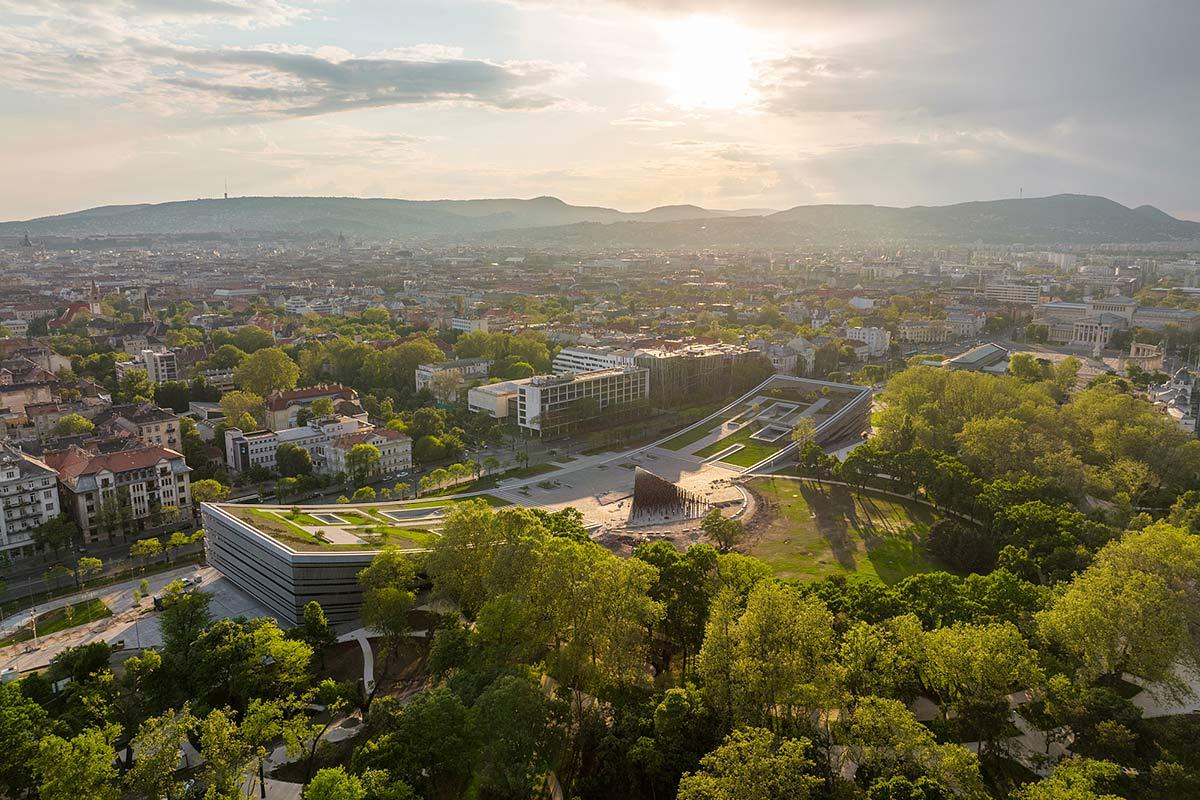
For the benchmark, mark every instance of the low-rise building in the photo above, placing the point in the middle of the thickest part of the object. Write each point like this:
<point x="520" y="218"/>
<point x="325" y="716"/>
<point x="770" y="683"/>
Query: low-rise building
<point x="284" y="407"/>
<point x="469" y="324"/>
<point x="877" y="340"/>
<point x="497" y="400"/>
<point x="446" y="378"/>
<point x="395" y="451"/>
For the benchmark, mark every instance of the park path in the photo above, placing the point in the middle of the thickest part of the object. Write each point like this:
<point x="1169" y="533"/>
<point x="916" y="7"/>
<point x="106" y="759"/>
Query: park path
<point x="361" y="636"/>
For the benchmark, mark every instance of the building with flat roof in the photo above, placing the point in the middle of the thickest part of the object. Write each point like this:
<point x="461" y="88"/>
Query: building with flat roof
<point x="497" y="400"/>
<point x="160" y="366"/>
<point x="554" y="404"/>
<point x="1016" y="293"/>
<point x="589" y="359"/>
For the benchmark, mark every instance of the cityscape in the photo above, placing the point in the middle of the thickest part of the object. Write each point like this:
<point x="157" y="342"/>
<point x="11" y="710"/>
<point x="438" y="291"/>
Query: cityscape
<point x="675" y="460"/>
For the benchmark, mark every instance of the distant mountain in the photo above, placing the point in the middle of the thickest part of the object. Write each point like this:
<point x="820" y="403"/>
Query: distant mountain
<point x="1062" y="218"/>
<point x="377" y="218"/>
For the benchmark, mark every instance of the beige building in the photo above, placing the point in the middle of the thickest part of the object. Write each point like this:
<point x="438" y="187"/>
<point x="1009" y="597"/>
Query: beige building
<point x="121" y="493"/>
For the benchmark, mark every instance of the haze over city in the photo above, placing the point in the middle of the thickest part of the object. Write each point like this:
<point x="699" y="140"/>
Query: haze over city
<point x="599" y="400"/>
<point x="747" y="104"/>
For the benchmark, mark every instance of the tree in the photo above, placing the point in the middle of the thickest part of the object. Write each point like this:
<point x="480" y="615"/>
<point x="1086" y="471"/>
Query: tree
<point x="363" y="494"/>
<point x="227" y="755"/>
<point x="184" y="617"/>
<point x="401" y="490"/>
<point x="73" y="424"/>
<point x="22" y="723"/>
<point x="334" y="783"/>
<point x="316" y="631"/>
<point x="1073" y="779"/>
<point x="387" y="595"/>
<point x="235" y="404"/>
<point x="209" y="491"/>
<point x="146" y="549"/>
<point x="84" y="766"/>
<point x="804" y="430"/>
<point x="292" y="460"/>
<point x="134" y="387"/>
<point x="321" y="407"/>
<point x="770" y="664"/>
<point x="158" y="745"/>
<point x="753" y="764"/>
<point x="361" y="461"/>
<point x="267" y="370"/>
<point x="726" y="532"/>
<point x="513" y="757"/>
<point x="883" y="738"/>
<point x="250" y="338"/>
<point x="56" y="533"/>
<point x="1134" y="609"/>
<point x="174" y="395"/>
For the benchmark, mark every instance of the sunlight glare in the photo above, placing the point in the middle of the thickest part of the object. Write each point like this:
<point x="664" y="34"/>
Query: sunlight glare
<point x="711" y="63"/>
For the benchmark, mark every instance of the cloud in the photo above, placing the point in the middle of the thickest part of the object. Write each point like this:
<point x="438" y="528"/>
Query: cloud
<point x="145" y="64"/>
<point x="236" y="13"/>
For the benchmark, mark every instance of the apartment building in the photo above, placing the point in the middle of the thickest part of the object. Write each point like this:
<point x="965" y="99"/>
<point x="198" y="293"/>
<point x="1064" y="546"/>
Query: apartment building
<point x="923" y="331"/>
<point x="111" y="494"/>
<point x="553" y="404"/>
<point x="446" y="378"/>
<point x="395" y="450"/>
<point x="28" y="498"/>
<point x="151" y="424"/>
<point x="877" y="340"/>
<point x="160" y="366"/>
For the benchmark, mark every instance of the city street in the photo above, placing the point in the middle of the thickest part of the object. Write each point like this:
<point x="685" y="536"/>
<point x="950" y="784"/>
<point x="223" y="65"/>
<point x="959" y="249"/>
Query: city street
<point x="137" y="626"/>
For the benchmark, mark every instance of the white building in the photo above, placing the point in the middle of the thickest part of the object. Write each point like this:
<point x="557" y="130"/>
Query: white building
<point x="160" y="366"/>
<point x="445" y="378"/>
<point x="469" y="325"/>
<point x="877" y="340"/>
<point x="28" y="498"/>
<point x="554" y="403"/>
<point x="395" y="451"/>
<point x="497" y="400"/>
<point x="923" y="331"/>
<point x="1019" y="293"/>
<point x="244" y="450"/>
<point x="589" y="359"/>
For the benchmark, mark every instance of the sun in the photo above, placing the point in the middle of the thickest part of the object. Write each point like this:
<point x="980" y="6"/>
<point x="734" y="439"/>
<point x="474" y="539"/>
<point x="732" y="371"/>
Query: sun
<point x="711" y="63"/>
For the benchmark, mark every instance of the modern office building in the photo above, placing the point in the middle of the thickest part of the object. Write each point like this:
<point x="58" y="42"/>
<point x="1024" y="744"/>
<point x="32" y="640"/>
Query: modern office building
<point x="283" y="578"/>
<point x="28" y="497"/>
<point x="588" y="359"/>
<point x="469" y="324"/>
<point x="554" y="404"/>
<point x="1014" y="293"/>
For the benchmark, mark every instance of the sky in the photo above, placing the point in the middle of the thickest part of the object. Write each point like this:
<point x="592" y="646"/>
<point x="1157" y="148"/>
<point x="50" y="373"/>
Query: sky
<point x="624" y="103"/>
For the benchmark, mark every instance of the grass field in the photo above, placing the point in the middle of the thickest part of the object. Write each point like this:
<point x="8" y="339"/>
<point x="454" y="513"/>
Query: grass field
<point x="814" y="532"/>
<point x="752" y="451"/>
<point x="684" y="439"/>
<point x="60" y="619"/>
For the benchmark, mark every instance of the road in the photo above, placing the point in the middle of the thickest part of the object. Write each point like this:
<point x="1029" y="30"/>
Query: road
<point x="136" y="625"/>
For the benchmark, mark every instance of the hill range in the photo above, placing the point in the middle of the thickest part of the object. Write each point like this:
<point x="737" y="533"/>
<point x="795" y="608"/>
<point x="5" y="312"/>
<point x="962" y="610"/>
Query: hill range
<point x="1060" y="218"/>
